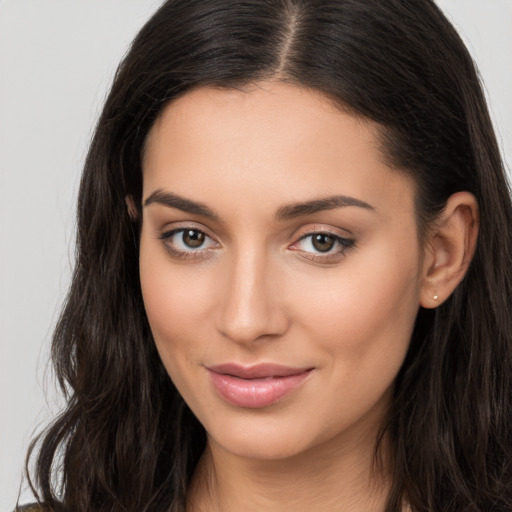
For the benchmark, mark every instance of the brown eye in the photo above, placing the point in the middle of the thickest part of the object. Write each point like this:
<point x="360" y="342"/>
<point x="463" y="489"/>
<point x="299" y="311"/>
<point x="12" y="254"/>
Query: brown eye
<point x="188" y="244"/>
<point x="193" y="238"/>
<point x="323" y="246"/>
<point x="322" y="242"/>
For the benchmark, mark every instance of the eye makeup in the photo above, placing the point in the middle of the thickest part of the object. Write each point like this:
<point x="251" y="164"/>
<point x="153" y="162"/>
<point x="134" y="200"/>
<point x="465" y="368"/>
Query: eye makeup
<point x="188" y="243"/>
<point x="319" y="245"/>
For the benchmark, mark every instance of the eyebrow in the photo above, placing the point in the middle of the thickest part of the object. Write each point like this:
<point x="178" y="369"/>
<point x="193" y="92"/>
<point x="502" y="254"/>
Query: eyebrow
<point x="284" y="213"/>
<point x="175" y="201"/>
<point x="318" y="205"/>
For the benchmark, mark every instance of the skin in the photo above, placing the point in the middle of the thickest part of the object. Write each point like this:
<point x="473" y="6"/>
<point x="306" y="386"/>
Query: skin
<point x="259" y="291"/>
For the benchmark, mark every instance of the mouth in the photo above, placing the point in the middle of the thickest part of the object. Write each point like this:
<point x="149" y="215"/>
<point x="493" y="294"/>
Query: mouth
<point x="256" y="386"/>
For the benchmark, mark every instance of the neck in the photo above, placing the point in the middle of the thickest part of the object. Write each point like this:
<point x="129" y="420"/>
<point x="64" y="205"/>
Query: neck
<point x="331" y="477"/>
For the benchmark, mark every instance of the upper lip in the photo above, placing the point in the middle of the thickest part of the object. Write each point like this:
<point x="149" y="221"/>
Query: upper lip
<point x="258" y="371"/>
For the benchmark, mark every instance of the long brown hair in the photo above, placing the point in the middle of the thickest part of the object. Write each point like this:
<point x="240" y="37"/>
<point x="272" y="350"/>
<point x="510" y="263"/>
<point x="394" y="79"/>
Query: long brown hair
<point x="127" y="441"/>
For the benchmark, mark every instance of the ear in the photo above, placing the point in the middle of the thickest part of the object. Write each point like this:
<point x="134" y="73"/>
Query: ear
<point x="449" y="248"/>
<point x="130" y="206"/>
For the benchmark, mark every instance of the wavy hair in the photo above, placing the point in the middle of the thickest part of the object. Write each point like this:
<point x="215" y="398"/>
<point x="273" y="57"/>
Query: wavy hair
<point x="126" y="440"/>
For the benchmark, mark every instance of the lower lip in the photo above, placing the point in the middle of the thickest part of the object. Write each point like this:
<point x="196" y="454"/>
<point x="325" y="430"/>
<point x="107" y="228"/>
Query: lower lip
<point x="255" y="393"/>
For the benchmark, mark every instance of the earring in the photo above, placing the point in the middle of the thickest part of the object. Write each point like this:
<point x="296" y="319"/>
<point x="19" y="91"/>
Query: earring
<point x="436" y="297"/>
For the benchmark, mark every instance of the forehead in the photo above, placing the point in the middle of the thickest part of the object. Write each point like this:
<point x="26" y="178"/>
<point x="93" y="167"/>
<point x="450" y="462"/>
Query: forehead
<point x="272" y="116"/>
<point x="278" y="141"/>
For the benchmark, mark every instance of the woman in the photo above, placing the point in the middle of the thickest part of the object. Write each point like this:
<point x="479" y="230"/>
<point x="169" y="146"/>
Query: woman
<point x="293" y="271"/>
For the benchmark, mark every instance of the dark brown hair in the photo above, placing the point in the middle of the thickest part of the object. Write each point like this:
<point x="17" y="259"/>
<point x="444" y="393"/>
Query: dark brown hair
<point x="126" y="440"/>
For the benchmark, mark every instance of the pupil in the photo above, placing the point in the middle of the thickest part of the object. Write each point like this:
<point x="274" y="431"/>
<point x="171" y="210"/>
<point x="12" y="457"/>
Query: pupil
<point x="193" y="238"/>
<point x="323" y="243"/>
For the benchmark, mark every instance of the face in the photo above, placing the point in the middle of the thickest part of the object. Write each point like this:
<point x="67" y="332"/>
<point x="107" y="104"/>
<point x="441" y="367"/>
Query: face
<point x="280" y="267"/>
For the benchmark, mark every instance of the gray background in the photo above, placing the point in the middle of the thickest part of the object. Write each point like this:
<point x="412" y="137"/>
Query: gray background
<point x="57" y="59"/>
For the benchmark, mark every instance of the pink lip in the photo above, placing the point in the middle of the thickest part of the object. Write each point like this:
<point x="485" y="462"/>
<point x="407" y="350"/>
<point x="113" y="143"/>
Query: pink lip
<point x="256" y="386"/>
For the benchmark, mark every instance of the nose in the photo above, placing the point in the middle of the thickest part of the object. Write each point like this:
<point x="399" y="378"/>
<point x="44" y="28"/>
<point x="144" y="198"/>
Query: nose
<point x="251" y="305"/>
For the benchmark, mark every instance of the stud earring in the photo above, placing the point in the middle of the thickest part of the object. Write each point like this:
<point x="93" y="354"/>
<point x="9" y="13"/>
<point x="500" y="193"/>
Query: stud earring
<point x="436" y="297"/>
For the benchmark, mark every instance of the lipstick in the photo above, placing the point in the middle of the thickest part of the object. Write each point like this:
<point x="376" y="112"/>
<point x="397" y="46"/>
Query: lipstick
<point x="256" y="386"/>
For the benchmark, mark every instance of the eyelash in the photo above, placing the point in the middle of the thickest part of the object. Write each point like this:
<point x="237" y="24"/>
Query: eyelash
<point x="343" y="244"/>
<point x="333" y="255"/>
<point x="184" y="254"/>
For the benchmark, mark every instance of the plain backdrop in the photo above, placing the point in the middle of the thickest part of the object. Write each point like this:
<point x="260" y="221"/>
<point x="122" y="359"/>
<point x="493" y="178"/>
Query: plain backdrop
<point x="57" y="59"/>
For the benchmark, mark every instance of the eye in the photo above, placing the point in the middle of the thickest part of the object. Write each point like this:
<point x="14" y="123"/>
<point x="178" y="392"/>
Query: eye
<point x="321" y="242"/>
<point x="322" y="246"/>
<point x="187" y="243"/>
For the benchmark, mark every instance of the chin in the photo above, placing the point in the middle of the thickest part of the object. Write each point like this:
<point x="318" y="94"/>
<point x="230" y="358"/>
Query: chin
<point x="279" y="446"/>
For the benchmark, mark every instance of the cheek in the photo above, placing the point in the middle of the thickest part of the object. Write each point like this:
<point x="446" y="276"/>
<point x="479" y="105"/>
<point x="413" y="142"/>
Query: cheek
<point x="364" y="316"/>
<point x="175" y="298"/>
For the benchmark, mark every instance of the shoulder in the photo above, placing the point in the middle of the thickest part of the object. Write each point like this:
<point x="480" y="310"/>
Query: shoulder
<point x="32" y="507"/>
